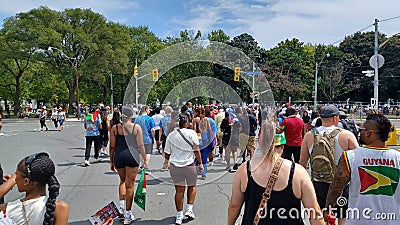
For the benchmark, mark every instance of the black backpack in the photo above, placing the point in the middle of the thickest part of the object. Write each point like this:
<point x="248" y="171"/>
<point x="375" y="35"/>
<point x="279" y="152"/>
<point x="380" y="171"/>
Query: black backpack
<point x="350" y="125"/>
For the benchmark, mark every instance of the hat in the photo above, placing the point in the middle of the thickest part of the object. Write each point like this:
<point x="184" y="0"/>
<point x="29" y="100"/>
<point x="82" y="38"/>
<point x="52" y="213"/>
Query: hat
<point x="341" y="113"/>
<point x="280" y="139"/>
<point x="329" y="111"/>
<point x="60" y="108"/>
<point x="44" y="107"/>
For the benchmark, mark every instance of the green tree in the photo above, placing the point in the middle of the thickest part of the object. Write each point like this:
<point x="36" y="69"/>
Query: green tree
<point x="218" y="36"/>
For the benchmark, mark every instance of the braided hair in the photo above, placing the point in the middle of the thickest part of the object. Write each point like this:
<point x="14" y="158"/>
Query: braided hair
<point x="42" y="171"/>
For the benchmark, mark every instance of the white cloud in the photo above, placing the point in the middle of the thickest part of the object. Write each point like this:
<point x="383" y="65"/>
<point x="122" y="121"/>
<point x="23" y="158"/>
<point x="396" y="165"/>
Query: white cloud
<point x="311" y="21"/>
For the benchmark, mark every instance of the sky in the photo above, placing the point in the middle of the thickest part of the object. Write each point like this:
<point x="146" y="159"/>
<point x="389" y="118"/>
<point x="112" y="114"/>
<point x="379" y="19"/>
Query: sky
<point x="268" y="21"/>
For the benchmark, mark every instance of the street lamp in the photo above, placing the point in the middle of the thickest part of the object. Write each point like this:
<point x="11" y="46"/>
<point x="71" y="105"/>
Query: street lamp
<point x="74" y="63"/>
<point x="316" y="81"/>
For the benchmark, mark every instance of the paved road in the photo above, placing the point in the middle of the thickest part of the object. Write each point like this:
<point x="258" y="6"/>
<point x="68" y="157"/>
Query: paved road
<point x="88" y="189"/>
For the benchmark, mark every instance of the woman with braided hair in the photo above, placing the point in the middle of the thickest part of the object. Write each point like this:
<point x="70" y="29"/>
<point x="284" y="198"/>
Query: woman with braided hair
<point x="32" y="175"/>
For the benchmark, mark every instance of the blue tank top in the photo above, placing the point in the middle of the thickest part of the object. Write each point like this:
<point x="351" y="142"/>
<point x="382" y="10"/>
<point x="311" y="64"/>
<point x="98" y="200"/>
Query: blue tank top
<point x="284" y="199"/>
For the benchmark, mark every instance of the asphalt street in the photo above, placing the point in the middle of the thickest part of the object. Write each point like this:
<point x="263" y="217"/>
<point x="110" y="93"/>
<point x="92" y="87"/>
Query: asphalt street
<point x="87" y="189"/>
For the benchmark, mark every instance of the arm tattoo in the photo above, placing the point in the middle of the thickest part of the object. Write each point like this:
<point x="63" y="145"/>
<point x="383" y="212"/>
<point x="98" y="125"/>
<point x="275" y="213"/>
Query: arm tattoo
<point x="341" y="179"/>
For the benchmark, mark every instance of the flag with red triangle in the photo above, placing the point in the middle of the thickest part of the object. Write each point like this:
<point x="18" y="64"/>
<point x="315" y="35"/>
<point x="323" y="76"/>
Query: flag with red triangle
<point x="378" y="180"/>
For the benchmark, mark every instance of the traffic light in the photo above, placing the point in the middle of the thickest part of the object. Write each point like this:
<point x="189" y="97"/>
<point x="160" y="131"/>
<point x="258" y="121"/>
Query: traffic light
<point x="236" y="76"/>
<point x="154" y="75"/>
<point x="135" y="71"/>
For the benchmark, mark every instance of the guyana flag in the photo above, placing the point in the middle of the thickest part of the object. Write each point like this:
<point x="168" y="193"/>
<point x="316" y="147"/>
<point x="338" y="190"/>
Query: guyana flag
<point x="378" y="180"/>
<point x="140" y="195"/>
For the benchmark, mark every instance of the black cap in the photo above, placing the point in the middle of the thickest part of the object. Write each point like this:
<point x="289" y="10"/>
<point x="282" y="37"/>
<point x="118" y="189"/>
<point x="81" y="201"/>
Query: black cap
<point x="329" y="111"/>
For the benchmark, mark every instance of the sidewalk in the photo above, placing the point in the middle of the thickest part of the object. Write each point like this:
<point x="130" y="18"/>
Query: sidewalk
<point x="34" y="120"/>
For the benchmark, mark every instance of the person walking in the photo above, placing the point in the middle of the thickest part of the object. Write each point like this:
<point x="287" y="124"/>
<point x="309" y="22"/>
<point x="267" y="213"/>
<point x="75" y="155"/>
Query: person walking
<point x="181" y="149"/>
<point x="373" y="173"/>
<point x="54" y="117"/>
<point x="294" y="134"/>
<point x="105" y="127"/>
<point x="218" y="119"/>
<point x="42" y="118"/>
<point x="126" y="143"/>
<point x="247" y="136"/>
<point x="32" y="175"/>
<point x="164" y="123"/>
<point x="291" y="188"/>
<point x="147" y="124"/>
<point x="157" y="134"/>
<point x="62" y="117"/>
<point x="92" y="124"/>
<point x="339" y="140"/>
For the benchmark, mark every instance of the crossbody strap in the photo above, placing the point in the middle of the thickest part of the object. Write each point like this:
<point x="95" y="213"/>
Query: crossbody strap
<point x="184" y="138"/>
<point x="270" y="185"/>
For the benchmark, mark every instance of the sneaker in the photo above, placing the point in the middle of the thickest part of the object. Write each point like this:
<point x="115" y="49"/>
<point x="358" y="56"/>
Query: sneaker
<point x="86" y="163"/>
<point x="190" y="214"/>
<point x="178" y="220"/>
<point x="97" y="160"/>
<point x="203" y="177"/>
<point x="148" y="172"/>
<point x="128" y="220"/>
<point x="235" y="167"/>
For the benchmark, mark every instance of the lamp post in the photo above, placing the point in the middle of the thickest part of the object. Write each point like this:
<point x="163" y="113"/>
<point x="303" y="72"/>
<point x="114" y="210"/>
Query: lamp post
<point x="136" y="88"/>
<point x="316" y="81"/>
<point x="74" y="63"/>
<point x="112" y="93"/>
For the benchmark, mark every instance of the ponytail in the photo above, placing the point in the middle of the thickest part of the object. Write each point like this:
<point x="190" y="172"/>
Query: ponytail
<point x="54" y="191"/>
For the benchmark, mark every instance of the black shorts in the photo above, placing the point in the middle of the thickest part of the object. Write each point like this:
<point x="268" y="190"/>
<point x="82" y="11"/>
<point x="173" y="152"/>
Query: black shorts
<point x="157" y="134"/>
<point x="125" y="158"/>
<point x="321" y="190"/>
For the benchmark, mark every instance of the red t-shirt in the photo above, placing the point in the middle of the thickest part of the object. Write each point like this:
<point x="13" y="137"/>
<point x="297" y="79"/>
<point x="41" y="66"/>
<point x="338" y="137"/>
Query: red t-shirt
<point x="293" y="131"/>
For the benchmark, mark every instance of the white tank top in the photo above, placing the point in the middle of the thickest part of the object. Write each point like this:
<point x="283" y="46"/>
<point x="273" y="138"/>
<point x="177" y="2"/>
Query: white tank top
<point x="373" y="186"/>
<point x="338" y="149"/>
<point x="33" y="210"/>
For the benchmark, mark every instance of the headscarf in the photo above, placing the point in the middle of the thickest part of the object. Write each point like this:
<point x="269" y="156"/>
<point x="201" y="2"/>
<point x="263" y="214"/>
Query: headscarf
<point x="232" y="117"/>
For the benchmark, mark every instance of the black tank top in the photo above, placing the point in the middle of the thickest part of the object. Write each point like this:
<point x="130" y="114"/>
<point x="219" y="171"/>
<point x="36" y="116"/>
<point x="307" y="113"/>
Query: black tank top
<point x="123" y="142"/>
<point x="284" y="200"/>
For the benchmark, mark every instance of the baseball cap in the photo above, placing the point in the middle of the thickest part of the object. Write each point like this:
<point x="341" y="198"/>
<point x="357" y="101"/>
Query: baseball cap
<point x="341" y="113"/>
<point x="329" y="111"/>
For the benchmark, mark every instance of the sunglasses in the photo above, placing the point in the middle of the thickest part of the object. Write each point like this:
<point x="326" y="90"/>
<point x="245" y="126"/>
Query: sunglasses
<point x="366" y="129"/>
<point x="30" y="159"/>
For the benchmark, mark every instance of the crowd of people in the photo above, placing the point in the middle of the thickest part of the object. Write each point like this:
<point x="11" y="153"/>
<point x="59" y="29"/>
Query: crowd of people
<point x="271" y="153"/>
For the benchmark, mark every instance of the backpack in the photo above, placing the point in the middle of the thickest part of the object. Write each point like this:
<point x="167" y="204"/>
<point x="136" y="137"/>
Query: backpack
<point x="322" y="158"/>
<point x="350" y="126"/>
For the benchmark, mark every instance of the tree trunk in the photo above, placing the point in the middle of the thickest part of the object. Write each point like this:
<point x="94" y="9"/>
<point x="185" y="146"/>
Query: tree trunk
<point x="71" y="100"/>
<point x="17" y="95"/>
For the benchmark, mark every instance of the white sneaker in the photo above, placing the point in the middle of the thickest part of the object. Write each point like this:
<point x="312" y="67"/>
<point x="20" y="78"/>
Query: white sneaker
<point x="97" y="160"/>
<point x="190" y="214"/>
<point x="178" y="220"/>
<point x="86" y="163"/>
<point x="128" y="221"/>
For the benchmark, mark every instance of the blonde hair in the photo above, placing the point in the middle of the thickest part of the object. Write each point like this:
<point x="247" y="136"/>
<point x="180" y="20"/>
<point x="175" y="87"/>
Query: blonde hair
<point x="267" y="138"/>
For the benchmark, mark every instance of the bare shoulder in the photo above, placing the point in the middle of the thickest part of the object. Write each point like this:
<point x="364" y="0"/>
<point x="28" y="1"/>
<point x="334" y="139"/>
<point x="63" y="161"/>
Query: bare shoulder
<point x="301" y="171"/>
<point x="62" y="206"/>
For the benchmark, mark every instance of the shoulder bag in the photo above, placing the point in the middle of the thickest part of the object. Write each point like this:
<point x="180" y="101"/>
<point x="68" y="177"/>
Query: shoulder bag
<point x="270" y="185"/>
